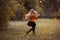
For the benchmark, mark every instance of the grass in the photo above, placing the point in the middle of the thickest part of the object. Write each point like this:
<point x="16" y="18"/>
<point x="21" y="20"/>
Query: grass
<point x="46" y="29"/>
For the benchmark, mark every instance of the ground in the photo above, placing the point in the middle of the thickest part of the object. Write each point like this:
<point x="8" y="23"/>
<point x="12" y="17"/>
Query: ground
<point x="46" y="29"/>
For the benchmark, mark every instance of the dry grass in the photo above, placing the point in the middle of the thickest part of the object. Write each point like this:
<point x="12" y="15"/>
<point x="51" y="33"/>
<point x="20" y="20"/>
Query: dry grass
<point x="46" y="29"/>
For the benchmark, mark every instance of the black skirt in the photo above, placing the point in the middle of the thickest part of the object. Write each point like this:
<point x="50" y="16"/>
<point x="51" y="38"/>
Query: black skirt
<point x="33" y="24"/>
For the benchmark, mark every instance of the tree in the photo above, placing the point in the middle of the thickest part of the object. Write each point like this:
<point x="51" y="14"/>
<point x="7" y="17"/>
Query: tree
<point x="6" y="10"/>
<point x="50" y="6"/>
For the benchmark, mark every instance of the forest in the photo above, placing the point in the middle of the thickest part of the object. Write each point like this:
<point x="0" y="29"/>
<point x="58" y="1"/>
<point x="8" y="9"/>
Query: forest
<point x="16" y="9"/>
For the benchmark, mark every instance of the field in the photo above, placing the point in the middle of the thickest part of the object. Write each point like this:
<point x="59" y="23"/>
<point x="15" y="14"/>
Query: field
<point x="46" y="29"/>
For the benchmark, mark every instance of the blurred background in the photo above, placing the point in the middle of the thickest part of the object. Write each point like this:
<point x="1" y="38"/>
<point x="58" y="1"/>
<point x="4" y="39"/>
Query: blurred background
<point x="12" y="14"/>
<point x="16" y="9"/>
<point x="47" y="8"/>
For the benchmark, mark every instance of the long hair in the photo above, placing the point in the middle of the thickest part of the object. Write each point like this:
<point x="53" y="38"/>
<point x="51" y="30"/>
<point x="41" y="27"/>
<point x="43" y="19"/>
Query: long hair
<point x="31" y="14"/>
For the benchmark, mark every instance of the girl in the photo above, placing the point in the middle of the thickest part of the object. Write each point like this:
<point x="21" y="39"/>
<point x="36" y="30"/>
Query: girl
<point x="31" y="17"/>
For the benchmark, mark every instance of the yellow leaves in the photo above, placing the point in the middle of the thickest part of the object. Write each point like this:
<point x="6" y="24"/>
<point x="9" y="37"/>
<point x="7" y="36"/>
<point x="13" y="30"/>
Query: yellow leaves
<point x="58" y="0"/>
<point x="59" y="12"/>
<point x="11" y="7"/>
<point x="6" y="9"/>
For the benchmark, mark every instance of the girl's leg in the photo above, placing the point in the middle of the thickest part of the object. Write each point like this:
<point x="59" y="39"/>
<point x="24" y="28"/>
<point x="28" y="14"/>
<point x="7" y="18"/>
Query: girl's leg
<point x="29" y="31"/>
<point x="33" y="29"/>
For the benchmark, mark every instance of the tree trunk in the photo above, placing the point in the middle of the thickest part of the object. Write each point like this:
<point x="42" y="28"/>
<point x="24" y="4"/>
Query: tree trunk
<point x="3" y="22"/>
<point x="5" y="12"/>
